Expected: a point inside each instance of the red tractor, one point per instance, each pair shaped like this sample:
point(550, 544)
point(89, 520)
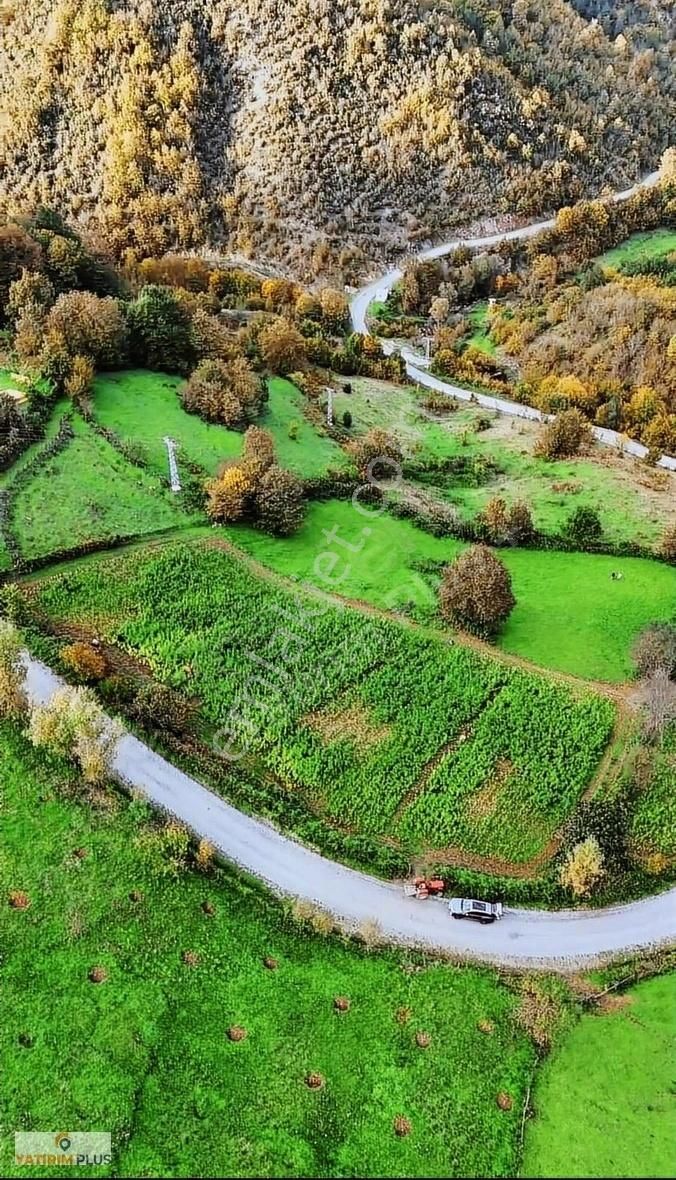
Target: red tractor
point(423, 887)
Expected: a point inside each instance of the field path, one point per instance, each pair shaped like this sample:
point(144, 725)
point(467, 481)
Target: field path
point(565, 940)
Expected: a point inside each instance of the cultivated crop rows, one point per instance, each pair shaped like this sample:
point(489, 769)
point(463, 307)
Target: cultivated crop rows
point(470, 752)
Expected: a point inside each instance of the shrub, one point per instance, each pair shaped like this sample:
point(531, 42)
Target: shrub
point(17, 430)
point(84, 661)
point(204, 857)
point(654, 649)
point(566, 435)
point(73, 725)
point(13, 700)
point(583, 868)
point(280, 506)
point(495, 520)
point(166, 848)
point(521, 530)
point(476, 591)
point(79, 382)
point(583, 526)
point(347, 419)
point(160, 707)
point(668, 548)
point(376, 455)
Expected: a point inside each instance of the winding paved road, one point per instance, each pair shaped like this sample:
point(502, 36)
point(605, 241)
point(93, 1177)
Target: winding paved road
point(561, 941)
point(416, 364)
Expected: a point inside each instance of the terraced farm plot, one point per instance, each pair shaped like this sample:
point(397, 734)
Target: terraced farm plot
point(571, 615)
point(178, 1095)
point(89, 491)
point(635, 503)
point(261, 660)
point(143, 407)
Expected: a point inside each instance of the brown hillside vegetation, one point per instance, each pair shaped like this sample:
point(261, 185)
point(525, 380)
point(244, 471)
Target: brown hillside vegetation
point(293, 127)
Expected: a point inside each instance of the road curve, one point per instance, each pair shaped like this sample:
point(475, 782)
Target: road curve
point(416, 364)
point(561, 941)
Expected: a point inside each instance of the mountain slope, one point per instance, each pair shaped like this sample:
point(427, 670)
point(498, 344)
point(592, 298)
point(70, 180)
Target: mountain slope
point(293, 126)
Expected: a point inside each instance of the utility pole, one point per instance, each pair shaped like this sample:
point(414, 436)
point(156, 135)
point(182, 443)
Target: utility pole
point(173, 465)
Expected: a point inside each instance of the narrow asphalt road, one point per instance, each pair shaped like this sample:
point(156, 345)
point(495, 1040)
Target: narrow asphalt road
point(416, 364)
point(561, 941)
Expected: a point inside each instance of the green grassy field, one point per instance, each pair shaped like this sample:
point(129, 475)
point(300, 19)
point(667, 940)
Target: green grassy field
point(570, 614)
point(481, 337)
point(642, 247)
point(142, 407)
point(634, 505)
point(356, 739)
point(89, 491)
point(604, 1101)
point(145, 1054)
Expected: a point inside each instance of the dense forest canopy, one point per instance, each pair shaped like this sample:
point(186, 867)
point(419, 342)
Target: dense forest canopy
point(307, 128)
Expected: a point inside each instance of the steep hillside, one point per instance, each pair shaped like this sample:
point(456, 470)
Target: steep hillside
point(291, 127)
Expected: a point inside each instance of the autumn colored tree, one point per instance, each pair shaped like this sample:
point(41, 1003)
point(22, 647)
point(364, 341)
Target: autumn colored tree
point(32, 290)
point(258, 451)
point(308, 306)
point(230, 495)
point(282, 346)
point(377, 455)
point(225, 392)
point(495, 519)
point(18, 252)
point(29, 334)
point(277, 293)
point(210, 337)
point(476, 591)
point(564, 436)
point(439, 309)
point(280, 506)
point(90, 326)
point(563, 392)
point(335, 309)
point(657, 698)
point(583, 868)
point(521, 529)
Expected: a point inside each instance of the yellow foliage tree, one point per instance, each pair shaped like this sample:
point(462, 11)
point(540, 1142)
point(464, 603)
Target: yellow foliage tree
point(227, 495)
point(583, 867)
